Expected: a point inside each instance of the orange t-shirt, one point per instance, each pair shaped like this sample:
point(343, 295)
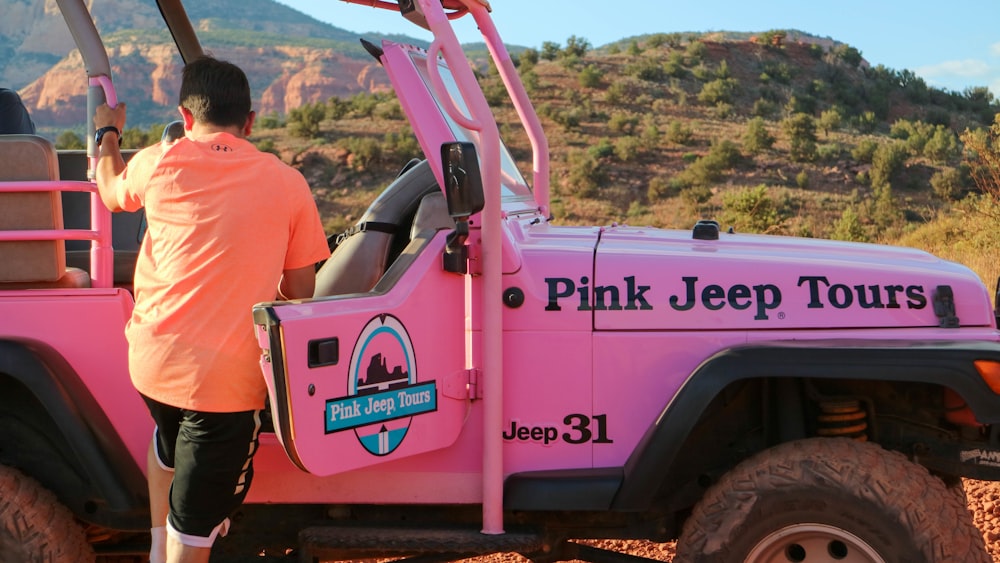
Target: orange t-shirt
point(224, 221)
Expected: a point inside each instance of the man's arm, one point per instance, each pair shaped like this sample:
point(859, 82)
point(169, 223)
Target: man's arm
point(110, 163)
point(298, 283)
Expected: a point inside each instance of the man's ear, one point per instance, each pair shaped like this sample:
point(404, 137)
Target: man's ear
point(248, 126)
point(187, 117)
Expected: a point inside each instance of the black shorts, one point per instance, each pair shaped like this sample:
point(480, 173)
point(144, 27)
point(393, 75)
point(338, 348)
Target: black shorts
point(211, 455)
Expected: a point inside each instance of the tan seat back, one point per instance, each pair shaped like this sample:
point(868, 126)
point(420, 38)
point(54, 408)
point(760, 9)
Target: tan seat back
point(32, 263)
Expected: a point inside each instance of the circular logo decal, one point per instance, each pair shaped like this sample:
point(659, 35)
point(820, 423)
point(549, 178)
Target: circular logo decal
point(382, 369)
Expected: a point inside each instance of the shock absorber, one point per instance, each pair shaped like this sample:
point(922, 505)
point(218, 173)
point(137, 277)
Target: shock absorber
point(843, 417)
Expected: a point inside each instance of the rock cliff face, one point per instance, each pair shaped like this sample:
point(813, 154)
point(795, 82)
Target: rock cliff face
point(282, 78)
point(50, 75)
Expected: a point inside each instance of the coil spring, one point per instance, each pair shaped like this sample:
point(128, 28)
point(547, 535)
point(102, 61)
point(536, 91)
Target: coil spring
point(843, 418)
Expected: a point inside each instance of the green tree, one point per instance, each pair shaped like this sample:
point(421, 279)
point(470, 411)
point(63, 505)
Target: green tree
point(576, 47)
point(750, 210)
point(983, 157)
point(718, 91)
point(550, 50)
point(829, 120)
point(590, 76)
point(950, 183)
point(68, 140)
point(586, 174)
point(848, 227)
point(757, 138)
point(801, 131)
point(304, 121)
point(134, 138)
point(942, 146)
point(270, 120)
point(887, 160)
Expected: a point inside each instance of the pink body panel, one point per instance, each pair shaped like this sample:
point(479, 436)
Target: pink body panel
point(87, 328)
point(665, 280)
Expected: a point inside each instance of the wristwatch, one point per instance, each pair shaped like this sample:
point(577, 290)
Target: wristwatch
point(99, 135)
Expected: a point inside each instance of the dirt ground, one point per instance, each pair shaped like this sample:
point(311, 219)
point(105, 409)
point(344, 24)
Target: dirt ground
point(983, 498)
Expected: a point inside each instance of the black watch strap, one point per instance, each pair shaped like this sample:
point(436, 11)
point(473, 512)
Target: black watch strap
point(99, 135)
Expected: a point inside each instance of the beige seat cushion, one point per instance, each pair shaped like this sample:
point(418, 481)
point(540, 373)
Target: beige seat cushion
point(30, 157)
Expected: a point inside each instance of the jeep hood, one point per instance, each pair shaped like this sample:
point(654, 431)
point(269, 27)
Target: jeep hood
point(646, 278)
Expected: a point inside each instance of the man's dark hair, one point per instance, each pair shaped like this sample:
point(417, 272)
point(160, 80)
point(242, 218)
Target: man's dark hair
point(215, 92)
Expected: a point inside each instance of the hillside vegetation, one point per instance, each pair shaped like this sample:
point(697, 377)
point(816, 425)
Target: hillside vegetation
point(776, 133)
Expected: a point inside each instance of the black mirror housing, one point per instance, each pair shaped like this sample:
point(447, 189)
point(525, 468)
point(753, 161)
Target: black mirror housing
point(463, 183)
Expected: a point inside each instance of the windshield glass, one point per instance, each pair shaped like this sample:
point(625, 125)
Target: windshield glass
point(515, 188)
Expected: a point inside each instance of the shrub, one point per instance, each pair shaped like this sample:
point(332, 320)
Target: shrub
point(848, 227)
point(337, 108)
point(550, 50)
point(801, 131)
point(803, 103)
point(829, 152)
point(267, 145)
point(802, 179)
point(270, 120)
point(576, 47)
point(304, 121)
point(627, 148)
point(750, 209)
point(646, 69)
point(709, 169)
point(674, 66)
point(764, 108)
point(623, 123)
point(950, 183)
point(695, 51)
point(983, 157)
point(864, 150)
point(658, 188)
point(866, 122)
point(68, 140)
point(529, 56)
point(757, 139)
point(695, 195)
point(829, 120)
point(887, 160)
point(603, 149)
point(849, 55)
point(679, 133)
point(363, 152)
point(942, 146)
point(363, 104)
point(590, 76)
point(586, 174)
point(718, 91)
point(403, 145)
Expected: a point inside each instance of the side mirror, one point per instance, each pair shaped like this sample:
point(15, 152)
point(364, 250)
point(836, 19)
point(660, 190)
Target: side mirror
point(463, 188)
point(463, 183)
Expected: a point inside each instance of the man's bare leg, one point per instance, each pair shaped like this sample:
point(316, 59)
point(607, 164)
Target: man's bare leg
point(159, 480)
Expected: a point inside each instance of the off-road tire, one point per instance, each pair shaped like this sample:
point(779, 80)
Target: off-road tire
point(829, 499)
point(34, 527)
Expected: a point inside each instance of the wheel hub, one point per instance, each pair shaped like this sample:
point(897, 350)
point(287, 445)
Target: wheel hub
point(812, 543)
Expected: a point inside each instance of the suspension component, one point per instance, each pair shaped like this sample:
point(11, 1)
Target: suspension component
point(843, 417)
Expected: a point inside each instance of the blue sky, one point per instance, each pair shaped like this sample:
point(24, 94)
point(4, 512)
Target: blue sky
point(951, 44)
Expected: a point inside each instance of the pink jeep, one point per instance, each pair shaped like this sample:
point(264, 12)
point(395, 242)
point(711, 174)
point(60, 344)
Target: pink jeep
point(471, 378)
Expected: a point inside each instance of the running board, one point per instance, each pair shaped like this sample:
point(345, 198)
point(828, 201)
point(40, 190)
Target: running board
point(321, 543)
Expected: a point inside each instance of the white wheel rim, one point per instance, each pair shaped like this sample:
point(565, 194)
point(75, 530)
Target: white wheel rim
point(812, 543)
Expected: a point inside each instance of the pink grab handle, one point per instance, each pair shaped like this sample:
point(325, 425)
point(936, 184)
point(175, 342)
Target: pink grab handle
point(110, 95)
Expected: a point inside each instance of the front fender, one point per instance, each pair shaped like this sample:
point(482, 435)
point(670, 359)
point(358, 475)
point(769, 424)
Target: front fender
point(71, 446)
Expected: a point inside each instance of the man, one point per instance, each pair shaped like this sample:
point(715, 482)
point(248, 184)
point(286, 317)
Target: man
point(228, 226)
point(14, 118)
